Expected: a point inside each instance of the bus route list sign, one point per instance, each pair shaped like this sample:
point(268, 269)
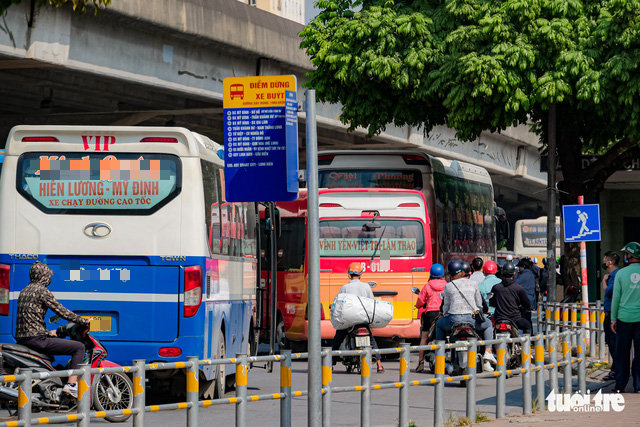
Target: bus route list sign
point(260, 138)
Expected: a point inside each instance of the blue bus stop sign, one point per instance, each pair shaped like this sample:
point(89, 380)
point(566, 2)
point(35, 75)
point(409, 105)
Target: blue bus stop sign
point(581, 223)
point(260, 138)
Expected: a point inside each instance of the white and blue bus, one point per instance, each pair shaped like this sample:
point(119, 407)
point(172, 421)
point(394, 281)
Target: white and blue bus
point(134, 223)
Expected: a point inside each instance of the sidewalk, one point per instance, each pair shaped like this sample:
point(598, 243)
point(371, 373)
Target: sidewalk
point(629, 416)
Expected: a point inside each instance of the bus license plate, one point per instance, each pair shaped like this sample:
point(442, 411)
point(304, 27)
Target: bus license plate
point(363, 341)
point(99, 323)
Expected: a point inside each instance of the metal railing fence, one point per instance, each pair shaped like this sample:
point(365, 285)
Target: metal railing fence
point(573, 336)
point(569, 316)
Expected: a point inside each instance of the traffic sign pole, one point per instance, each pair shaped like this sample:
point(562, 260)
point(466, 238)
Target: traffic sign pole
point(583, 265)
point(313, 233)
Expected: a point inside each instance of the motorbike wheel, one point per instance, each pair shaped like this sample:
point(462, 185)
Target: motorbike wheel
point(106, 398)
point(8, 408)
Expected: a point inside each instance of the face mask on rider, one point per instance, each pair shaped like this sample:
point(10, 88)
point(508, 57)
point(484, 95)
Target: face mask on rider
point(604, 265)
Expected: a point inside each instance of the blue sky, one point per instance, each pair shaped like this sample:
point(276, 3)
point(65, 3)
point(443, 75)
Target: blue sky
point(309, 11)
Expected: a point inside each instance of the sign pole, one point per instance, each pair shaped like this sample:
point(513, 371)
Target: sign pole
point(551, 199)
point(313, 236)
point(583, 266)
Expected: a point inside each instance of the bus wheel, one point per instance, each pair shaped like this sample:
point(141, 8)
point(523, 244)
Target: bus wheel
point(218, 391)
point(281, 339)
point(253, 342)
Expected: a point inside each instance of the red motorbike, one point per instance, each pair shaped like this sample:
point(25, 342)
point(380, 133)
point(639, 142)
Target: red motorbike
point(108, 391)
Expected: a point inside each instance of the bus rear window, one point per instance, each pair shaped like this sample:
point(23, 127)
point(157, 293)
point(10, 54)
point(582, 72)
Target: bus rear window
point(359, 178)
point(535, 235)
point(81, 183)
point(349, 238)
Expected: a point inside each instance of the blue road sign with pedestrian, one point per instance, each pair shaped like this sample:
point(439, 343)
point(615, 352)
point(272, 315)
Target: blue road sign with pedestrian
point(581, 223)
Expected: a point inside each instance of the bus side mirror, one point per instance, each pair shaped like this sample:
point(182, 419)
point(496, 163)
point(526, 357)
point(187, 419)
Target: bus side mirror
point(277, 224)
point(415, 290)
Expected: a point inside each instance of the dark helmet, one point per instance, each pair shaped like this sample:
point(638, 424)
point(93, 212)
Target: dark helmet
point(508, 270)
point(454, 267)
point(545, 262)
point(437, 270)
point(525, 262)
point(466, 268)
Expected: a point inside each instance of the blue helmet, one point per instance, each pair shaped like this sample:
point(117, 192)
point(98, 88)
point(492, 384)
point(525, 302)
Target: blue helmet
point(437, 270)
point(454, 267)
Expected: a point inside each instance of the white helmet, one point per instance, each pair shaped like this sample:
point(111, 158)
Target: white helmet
point(535, 260)
point(509, 258)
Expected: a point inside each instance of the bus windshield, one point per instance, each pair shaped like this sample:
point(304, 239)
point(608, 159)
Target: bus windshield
point(350, 238)
point(84, 183)
point(370, 178)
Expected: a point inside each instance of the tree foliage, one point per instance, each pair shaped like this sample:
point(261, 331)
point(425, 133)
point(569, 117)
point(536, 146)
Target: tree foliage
point(478, 65)
point(79, 6)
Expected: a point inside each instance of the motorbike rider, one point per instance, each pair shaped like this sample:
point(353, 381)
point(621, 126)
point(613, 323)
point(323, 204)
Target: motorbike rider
point(477, 265)
point(527, 280)
point(461, 299)
point(361, 289)
point(31, 331)
point(510, 300)
point(489, 269)
point(544, 277)
point(428, 303)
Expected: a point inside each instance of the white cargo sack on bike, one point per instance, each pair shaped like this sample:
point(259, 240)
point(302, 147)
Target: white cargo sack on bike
point(348, 310)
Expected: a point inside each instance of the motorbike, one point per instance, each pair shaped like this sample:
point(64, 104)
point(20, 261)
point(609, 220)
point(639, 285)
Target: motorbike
point(358, 337)
point(572, 294)
point(456, 359)
point(108, 391)
point(513, 354)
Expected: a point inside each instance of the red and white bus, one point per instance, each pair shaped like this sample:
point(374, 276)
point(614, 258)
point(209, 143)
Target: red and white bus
point(459, 195)
point(387, 230)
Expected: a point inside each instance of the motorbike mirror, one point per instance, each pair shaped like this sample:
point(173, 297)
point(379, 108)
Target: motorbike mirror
point(54, 319)
point(415, 290)
point(373, 284)
point(490, 295)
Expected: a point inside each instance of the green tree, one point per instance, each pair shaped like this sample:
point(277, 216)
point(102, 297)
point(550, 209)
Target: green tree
point(79, 6)
point(485, 65)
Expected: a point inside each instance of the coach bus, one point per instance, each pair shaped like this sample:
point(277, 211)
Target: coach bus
point(530, 238)
point(459, 195)
point(135, 226)
point(387, 230)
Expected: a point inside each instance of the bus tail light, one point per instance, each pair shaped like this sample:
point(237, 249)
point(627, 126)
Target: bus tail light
point(330, 205)
point(409, 205)
point(170, 352)
point(4, 290)
point(192, 290)
point(415, 159)
point(306, 312)
point(40, 139)
point(159, 139)
point(325, 159)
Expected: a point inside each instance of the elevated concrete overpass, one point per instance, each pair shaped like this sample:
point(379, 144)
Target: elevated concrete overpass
point(162, 63)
